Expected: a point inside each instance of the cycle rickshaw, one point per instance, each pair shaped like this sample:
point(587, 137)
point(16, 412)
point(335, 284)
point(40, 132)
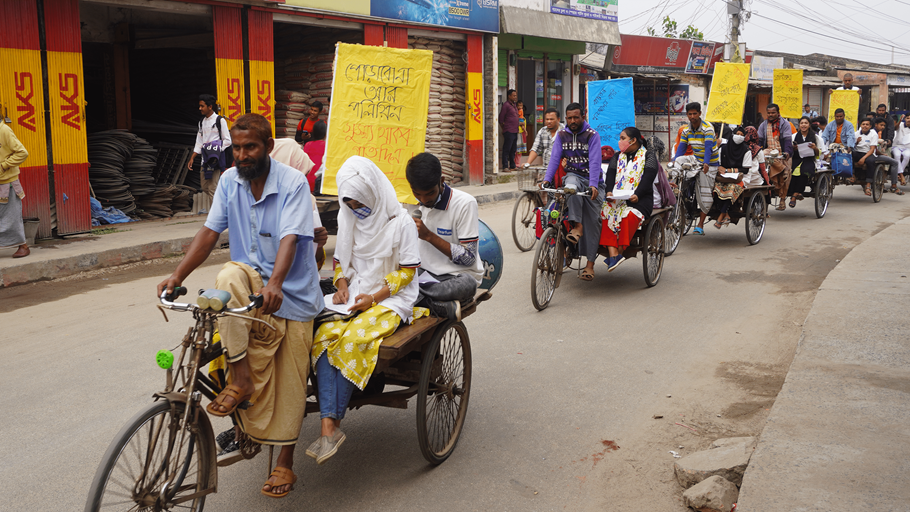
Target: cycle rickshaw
point(846, 174)
point(164, 458)
point(555, 253)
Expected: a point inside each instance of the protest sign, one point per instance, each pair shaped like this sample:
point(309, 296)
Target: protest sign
point(847, 100)
point(611, 108)
point(728, 93)
point(380, 100)
point(787, 92)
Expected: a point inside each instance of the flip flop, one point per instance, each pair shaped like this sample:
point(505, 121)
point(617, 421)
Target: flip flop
point(698, 231)
point(718, 224)
point(867, 190)
point(283, 476)
point(897, 191)
point(573, 236)
point(230, 391)
point(586, 275)
point(793, 203)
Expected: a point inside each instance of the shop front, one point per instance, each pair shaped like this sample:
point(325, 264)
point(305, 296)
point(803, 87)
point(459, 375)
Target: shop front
point(898, 94)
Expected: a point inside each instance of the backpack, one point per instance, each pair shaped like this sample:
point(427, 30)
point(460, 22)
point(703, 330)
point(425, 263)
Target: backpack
point(213, 153)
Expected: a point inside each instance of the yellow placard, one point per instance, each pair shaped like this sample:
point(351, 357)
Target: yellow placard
point(474, 107)
point(847, 100)
point(262, 93)
point(22, 100)
point(788, 92)
point(380, 100)
point(230, 80)
point(66, 92)
point(728, 93)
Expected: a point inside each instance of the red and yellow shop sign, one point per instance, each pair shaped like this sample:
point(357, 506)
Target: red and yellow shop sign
point(262, 93)
point(67, 106)
point(229, 74)
point(474, 106)
point(22, 99)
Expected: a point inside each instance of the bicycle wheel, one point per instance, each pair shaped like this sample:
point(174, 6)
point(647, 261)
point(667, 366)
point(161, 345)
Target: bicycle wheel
point(822, 195)
point(154, 466)
point(755, 218)
point(524, 222)
point(443, 392)
point(676, 224)
point(652, 250)
point(547, 266)
point(878, 183)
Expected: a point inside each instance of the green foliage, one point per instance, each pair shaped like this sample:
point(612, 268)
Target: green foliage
point(670, 29)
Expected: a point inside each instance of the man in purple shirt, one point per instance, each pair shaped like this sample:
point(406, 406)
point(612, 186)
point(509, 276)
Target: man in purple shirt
point(579, 144)
point(508, 123)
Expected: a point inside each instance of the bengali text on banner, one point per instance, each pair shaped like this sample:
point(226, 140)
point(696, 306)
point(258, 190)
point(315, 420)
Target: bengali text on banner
point(728, 93)
point(788, 92)
point(380, 100)
point(611, 108)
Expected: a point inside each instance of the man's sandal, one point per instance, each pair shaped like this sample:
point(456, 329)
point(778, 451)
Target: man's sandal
point(283, 476)
point(586, 275)
point(897, 191)
point(574, 236)
point(230, 391)
point(867, 190)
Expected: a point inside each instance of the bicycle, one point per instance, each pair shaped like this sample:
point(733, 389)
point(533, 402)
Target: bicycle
point(164, 457)
point(524, 213)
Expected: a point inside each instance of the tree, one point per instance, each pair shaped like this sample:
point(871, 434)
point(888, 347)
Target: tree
point(670, 30)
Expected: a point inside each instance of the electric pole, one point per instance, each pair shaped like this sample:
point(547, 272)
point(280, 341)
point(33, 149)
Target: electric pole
point(735, 9)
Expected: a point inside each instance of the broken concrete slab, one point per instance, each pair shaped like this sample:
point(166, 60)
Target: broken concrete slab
point(728, 462)
point(729, 441)
point(714, 494)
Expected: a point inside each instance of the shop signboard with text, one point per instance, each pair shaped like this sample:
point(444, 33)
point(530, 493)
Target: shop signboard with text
point(606, 10)
point(481, 15)
point(653, 98)
point(655, 55)
point(700, 56)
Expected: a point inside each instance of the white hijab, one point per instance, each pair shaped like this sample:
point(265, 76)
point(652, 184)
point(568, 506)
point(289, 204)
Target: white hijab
point(372, 243)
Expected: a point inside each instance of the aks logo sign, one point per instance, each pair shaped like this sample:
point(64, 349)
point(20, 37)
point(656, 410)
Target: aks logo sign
point(476, 109)
point(234, 111)
point(69, 83)
point(25, 93)
point(264, 96)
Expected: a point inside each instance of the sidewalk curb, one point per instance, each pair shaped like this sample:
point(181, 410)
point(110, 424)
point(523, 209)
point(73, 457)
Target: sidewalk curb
point(498, 197)
point(62, 267)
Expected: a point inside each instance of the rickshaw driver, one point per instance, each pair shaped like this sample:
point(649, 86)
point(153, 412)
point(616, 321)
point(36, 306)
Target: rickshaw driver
point(449, 233)
point(699, 135)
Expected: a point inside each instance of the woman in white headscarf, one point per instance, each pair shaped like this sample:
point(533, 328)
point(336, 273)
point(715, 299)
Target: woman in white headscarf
point(376, 259)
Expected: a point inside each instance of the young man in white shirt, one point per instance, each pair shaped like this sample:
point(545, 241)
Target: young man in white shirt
point(864, 152)
point(449, 231)
point(212, 138)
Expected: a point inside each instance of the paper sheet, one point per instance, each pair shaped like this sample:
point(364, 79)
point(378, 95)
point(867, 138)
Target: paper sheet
point(339, 308)
point(730, 175)
point(622, 194)
point(805, 150)
point(426, 278)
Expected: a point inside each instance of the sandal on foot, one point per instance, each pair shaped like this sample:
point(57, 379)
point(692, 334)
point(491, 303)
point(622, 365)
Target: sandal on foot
point(283, 476)
point(793, 203)
point(726, 222)
point(718, 224)
point(781, 206)
point(573, 236)
point(586, 275)
point(897, 191)
point(867, 190)
point(231, 391)
point(698, 231)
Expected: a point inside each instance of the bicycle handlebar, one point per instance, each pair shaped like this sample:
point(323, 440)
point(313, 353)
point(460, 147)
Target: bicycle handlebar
point(564, 191)
point(167, 300)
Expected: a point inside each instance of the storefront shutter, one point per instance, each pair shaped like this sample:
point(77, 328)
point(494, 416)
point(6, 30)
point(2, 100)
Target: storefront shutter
point(503, 68)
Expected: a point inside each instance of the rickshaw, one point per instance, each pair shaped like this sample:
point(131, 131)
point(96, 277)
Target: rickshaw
point(846, 174)
point(164, 457)
point(752, 204)
point(555, 253)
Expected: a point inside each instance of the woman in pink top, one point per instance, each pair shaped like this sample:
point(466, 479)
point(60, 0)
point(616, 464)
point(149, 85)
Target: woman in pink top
point(315, 149)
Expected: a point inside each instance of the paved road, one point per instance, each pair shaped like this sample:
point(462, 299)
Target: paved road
point(700, 356)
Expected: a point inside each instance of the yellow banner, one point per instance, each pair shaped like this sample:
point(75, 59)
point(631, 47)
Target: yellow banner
point(847, 100)
point(378, 111)
point(474, 107)
point(262, 95)
point(22, 100)
point(788, 92)
point(229, 75)
point(66, 92)
point(728, 93)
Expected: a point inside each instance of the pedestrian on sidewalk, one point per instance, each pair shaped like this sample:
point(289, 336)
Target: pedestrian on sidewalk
point(12, 154)
point(508, 123)
point(213, 142)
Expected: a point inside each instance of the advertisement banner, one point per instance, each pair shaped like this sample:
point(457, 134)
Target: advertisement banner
point(847, 100)
point(653, 99)
point(611, 108)
point(378, 111)
point(700, 56)
point(229, 79)
point(474, 107)
point(262, 85)
point(728, 93)
point(480, 15)
point(763, 67)
point(787, 92)
point(605, 10)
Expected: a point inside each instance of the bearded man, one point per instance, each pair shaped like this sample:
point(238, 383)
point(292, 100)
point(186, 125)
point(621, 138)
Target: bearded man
point(266, 207)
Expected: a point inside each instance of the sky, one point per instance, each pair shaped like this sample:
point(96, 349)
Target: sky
point(862, 30)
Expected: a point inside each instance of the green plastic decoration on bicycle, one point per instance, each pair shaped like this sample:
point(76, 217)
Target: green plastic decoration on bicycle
point(165, 359)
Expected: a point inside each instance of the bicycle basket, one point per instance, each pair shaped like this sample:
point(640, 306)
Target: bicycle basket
point(527, 179)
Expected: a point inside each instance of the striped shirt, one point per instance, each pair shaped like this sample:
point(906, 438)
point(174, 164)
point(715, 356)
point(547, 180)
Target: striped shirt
point(698, 140)
point(543, 143)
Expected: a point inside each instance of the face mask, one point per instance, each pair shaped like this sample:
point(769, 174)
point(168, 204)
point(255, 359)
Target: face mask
point(362, 212)
point(738, 139)
point(624, 145)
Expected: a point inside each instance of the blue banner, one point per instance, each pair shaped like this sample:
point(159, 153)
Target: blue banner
point(611, 108)
point(480, 15)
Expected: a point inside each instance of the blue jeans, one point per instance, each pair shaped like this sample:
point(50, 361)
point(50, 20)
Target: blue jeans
point(334, 390)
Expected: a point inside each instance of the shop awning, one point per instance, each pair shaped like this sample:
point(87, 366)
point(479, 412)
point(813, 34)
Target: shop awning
point(529, 22)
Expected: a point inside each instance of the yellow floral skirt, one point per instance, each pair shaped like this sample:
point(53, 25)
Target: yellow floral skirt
point(352, 345)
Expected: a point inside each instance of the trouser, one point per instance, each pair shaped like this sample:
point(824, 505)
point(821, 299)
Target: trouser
point(894, 167)
point(869, 168)
point(334, 390)
point(460, 287)
point(587, 212)
point(209, 185)
point(509, 147)
point(902, 154)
